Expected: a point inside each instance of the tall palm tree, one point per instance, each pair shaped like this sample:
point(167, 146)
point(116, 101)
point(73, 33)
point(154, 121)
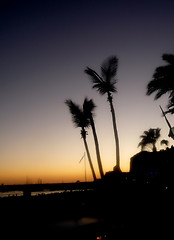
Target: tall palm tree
point(79, 119)
point(163, 79)
point(88, 108)
point(150, 137)
point(105, 84)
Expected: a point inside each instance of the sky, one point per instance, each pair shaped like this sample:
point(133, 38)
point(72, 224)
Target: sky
point(44, 48)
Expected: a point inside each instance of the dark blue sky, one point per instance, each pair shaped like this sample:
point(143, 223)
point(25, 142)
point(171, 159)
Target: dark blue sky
point(45, 47)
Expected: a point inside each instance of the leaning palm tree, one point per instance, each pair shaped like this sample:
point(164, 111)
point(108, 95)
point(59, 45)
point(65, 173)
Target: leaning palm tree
point(163, 80)
point(79, 119)
point(150, 137)
point(88, 108)
point(105, 84)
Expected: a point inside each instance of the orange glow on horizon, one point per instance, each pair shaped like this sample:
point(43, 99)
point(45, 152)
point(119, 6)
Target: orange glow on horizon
point(50, 162)
point(51, 174)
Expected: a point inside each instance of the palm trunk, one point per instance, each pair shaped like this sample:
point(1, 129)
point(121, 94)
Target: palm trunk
point(83, 133)
point(117, 167)
point(97, 147)
point(154, 147)
point(170, 127)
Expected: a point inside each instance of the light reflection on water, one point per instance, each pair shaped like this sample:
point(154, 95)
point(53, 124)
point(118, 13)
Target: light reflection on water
point(11, 193)
point(45, 192)
point(72, 223)
point(37, 193)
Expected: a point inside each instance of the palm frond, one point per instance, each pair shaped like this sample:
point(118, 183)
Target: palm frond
point(106, 83)
point(158, 86)
point(88, 106)
point(163, 78)
point(109, 67)
point(100, 87)
point(170, 105)
point(105, 87)
point(78, 117)
point(73, 108)
point(95, 78)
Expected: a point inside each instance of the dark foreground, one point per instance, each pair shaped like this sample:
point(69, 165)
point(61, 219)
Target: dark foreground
point(110, 211)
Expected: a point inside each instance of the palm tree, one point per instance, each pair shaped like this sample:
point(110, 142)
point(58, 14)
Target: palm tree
point(163, 79)
point(150, 137)
point(79, 119)
point(88, 108)
point(105, 84)
point(165, 142)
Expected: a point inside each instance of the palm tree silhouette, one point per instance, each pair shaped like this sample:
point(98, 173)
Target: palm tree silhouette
point(105, 84)
point(80, 120)
point(150, 137)
point(163, 79)
point(88, 108)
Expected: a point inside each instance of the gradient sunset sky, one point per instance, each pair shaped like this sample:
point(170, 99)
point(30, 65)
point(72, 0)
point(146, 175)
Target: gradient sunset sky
point(45, 46)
